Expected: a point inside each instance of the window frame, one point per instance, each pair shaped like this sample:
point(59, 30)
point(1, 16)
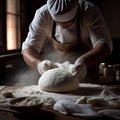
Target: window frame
point(23, 26)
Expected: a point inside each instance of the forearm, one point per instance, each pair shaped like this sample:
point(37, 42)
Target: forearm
point(95, 56)
point(31, 57)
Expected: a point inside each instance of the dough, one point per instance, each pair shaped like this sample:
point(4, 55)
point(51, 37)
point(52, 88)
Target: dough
point(59, 80)
point(108, 95)
point(82, 100)
point(97, 101)
point(32, 101)
point(26, 101)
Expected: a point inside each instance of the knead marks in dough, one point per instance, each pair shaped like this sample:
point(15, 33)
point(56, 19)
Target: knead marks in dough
point(58, 80)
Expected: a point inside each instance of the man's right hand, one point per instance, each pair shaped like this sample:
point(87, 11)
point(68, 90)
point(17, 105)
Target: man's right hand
point(45, 65)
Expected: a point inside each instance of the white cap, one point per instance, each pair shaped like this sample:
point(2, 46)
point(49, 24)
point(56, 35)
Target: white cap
point(62, 10)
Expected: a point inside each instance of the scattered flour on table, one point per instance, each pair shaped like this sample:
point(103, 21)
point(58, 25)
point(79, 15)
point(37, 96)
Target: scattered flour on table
point(34, 91)
point(32, 101)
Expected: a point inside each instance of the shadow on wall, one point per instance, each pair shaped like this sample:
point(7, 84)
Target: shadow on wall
point(18, 73)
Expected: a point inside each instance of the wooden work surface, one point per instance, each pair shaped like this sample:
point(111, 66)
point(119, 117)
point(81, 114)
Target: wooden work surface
point(49, 113)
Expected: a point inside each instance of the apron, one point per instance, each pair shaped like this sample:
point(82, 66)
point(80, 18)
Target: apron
point(70, 52)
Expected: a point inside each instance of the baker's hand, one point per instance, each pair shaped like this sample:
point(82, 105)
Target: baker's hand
point(45, 65)
point(79, 69)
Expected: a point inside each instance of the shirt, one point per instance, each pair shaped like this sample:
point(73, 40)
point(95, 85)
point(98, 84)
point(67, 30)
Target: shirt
point(93, 30)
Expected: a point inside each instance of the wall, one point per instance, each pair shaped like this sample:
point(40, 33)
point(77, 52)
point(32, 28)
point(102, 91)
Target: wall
point(32, 7)
point(111, 12)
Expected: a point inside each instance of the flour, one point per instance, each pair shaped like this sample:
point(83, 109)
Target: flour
point(81, 95)
point(32, 101)
point(26, 101)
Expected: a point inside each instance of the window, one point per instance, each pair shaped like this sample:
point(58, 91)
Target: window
point(12, 25)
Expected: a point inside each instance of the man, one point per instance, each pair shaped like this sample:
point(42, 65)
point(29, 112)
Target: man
point(76, 32)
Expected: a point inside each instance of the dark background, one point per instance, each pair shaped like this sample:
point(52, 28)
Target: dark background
point(14, 71)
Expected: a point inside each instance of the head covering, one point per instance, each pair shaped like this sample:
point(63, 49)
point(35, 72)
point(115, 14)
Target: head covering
point(62, 10)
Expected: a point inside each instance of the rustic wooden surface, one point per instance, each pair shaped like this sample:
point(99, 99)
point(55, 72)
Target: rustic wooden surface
point(47, 114)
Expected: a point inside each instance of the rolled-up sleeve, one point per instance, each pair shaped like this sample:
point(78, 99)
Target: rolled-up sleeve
point(98, 30)
point(36, 35)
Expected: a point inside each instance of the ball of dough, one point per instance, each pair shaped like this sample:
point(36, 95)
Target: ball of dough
point(97, 101)
point(58, 80)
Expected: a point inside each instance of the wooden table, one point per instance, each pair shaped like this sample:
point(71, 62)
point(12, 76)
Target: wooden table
point(45, 114)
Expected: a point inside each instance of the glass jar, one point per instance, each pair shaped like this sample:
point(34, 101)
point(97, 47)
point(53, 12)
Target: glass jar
point(117, 76)
point(108, 71)
point(101, 68)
